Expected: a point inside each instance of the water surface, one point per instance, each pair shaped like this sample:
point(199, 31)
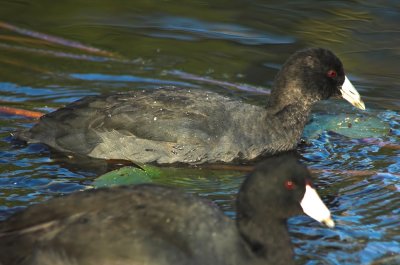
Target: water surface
point(52, 53)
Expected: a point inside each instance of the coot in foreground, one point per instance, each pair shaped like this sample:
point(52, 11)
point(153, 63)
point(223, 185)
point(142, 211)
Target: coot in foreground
point(151, 224)
point(172, 125)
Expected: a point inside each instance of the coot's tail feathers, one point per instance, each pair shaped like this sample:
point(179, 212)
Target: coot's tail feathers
point(22, 136)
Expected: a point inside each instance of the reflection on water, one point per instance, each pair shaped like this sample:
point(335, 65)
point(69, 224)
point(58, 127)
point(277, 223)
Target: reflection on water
point(52, 53)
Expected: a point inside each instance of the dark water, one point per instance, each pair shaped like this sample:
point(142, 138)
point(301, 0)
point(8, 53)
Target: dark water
point(47, 59)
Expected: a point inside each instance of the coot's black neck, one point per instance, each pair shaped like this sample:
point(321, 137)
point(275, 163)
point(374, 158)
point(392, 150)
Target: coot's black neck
point(294, 114)
point(289, 120)
point(267, 238)
point(289, 101)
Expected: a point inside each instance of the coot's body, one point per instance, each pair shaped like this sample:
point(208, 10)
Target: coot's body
point(167, 126)
point(172, 125)
point(155, 225)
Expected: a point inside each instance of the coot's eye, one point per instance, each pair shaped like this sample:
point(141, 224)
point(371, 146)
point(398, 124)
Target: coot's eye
point(289, 185)
point(331, 74)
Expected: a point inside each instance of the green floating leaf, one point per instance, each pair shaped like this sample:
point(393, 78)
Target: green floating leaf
point(179, 177)
point(350, 125)
point(127, 176)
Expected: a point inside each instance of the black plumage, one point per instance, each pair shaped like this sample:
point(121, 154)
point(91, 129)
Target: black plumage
point(151, 224)
point(172, 125)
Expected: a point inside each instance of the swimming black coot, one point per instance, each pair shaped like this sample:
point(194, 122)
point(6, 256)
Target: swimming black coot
point(172, 125)
point(151, 224)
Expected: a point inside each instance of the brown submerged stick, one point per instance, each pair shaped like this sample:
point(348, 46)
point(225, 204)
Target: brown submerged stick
point(57, 40)
point(85, 57)
point(23, 39)
point(242, 168)
point(21, 112)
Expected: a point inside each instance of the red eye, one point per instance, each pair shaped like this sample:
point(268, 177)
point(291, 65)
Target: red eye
point(331, 74)
point(289, 185)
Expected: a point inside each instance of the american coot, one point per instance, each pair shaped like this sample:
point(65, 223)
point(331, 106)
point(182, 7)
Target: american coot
point(171, 125)
point(151, 224)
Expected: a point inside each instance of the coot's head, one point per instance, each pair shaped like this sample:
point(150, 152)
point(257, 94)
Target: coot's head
point(281, 187)
point(311, 75)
